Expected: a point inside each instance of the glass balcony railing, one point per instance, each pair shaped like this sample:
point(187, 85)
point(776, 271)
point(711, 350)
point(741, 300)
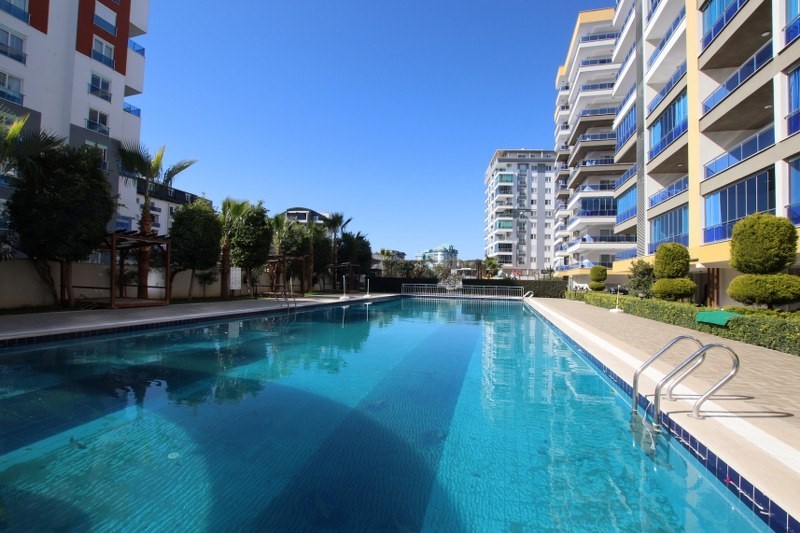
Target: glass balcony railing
point(105, 25)
point(670, 32)
point(608, 136)
point(14, 11)
point(747, 148)
point(602, 239)
point(96, 126)
point(631, 172)
point(794, 213)
point(562, 227)
point(597, 86)
point(652, 9)
point(11, 96)
point(625, 254)
point(104, 59)
point(722, 232)
point(679, 72)
point(13, 53)
point(599, 37)
point(673, 189)
point(592, 62)
point(721, 22)
point(627, 59)
point(583, 264)
point(132, 109)
point(100, 93)
point(750, 67)
point(136, 47)
point(595, 162)
point(628, 214)
point(668, 139)
point(792, 30)
point(598, 111)
point(683, 239)
point(793, 122)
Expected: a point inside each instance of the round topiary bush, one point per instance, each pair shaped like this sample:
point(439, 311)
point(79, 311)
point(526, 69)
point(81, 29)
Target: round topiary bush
point(769, 290)
point(597, 285)
point(763, 244)
point(673, 288)
point(598, 273)
point(672, 261)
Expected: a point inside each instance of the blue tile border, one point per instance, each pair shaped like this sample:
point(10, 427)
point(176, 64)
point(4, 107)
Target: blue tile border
point(768, 511)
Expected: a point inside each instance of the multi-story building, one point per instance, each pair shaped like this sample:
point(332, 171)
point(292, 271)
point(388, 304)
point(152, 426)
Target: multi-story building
point(439, 255)
point(72, 66)
point(520, 193)
point(708, 100)
point(305, 215)
point(586, 103)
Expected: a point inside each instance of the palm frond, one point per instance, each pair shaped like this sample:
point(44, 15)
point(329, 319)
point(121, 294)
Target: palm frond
point(135, 158)
point(15, 129)
point(176, 169)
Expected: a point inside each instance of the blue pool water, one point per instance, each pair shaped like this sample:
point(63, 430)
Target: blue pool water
point(398, 416)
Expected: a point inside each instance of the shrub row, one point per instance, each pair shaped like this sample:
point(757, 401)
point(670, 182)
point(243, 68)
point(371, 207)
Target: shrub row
point(395, 284)
point(541, 288)
point(775, 332)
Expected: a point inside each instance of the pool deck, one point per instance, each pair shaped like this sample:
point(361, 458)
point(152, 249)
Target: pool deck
point(753, 424)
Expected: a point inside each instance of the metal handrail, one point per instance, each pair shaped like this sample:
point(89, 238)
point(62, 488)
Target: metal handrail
point(697, 358)
point(670, 344)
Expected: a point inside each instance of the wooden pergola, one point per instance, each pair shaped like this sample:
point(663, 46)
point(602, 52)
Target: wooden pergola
point(347, 267)
point(120, 244)
point(283, 261)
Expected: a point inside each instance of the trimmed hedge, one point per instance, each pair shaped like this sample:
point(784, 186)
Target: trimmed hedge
point(395, 284)
point(671, 261)
point(541, 288)
point(763, 244)
point(765, 289)
point(673, 288)
point(578, 296)
point(598, 273)
point(773, 332)
point(597, 286)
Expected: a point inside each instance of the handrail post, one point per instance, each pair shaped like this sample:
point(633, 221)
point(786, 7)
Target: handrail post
point(729, 376)
point(657, 394)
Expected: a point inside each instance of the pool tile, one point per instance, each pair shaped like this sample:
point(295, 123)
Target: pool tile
point(794, 525)
point(779, 520)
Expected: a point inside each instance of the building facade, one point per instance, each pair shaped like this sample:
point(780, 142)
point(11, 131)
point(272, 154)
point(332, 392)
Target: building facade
point(439, 255)
point(305, 215)
point(74, 68)
point(707, 99)
point(519, 207)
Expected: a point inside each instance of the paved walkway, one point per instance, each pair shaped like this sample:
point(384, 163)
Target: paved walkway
point(753, 423)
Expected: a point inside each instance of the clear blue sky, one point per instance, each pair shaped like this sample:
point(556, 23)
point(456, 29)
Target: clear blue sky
point(386, 110)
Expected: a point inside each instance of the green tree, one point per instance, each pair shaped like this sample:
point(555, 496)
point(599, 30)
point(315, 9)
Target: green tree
point(231, 217)
point(250, 243)
point(491, 266)
point(671, 270)
point(317, 241)
point(355, 248)
point(196, 234)
point(598, 275)
point(642, 278)
point(336, 223)
point(59, 211)
point(136, 160)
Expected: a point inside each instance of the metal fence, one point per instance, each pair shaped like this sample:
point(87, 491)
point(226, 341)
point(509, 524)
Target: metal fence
point(465, 291)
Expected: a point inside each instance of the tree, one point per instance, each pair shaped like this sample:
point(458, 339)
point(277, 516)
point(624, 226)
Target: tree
point(250, 243)
point(762, 246)
point(59, 211)
point(230, 217)
point(137, 160)
point(491, 266)
point(642, 278)
point(335, 224)
point(356, 249)
point(317, 242)
point(598, 275)
point(196, 234)
point(671, 270)
point(21, 149)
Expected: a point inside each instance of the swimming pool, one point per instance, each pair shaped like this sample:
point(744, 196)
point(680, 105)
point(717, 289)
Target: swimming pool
point(404, 415)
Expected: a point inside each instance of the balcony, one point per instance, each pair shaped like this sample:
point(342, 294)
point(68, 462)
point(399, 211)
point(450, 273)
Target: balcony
point(132, 109)
point(96, 126)
point(794, 213)
point(625, 254)
point(104, 59)
point(750, 67)
point(792, 30)
point(628, 214)
point(14, 11)
point(593, 62)
point(683, 239)
point(747, 148)
point(136, 47)
point(599, 37)
point(630, 173)
point(11, 96)
point(104, 25)
point(603, 239)
point(670, 32)
point(597, 87)
point(673, 189)
point(721, 22)
point(668, 139)
point(583, 264)
point(13, 53)
point(793, 122)
point(100, 93)
point(652, 9)
point(722, 232)
point(658, 98)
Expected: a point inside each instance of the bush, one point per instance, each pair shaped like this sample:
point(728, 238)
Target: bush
point(673, 288)
point(672, 261)
point(763, 244)
point(765, 289)
point(597, 285)
point(642, 278)
point(578, 296)
point(598, 273)
point(760, 311)
point(541, 288)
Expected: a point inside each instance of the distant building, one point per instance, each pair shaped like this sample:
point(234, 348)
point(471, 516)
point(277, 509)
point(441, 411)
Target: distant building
point(306, 215)
point(445, 252)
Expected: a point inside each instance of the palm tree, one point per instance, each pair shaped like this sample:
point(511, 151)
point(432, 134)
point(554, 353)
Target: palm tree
point(18, 149)
point(336, 223)
point(136, 159)
point(230, 216)
point(313, 231)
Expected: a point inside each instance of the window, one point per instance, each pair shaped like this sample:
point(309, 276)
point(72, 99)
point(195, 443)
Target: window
point(727, 206)
point(627, 205)
point(792, 19)
point(672, 226)
point(668, 126)
point(103, 52)
point(16, 8)
point(794, 101)
point(97, 121)
point(794, 191)
point(103, 153)
point(100, 87)
point(11, 45)
point(10, 88)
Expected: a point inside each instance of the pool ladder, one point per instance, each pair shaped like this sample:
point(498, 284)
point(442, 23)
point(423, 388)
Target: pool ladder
point(678, 374)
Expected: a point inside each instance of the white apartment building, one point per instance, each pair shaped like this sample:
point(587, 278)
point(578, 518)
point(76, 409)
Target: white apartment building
point(520, 196)
point(439, 255)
